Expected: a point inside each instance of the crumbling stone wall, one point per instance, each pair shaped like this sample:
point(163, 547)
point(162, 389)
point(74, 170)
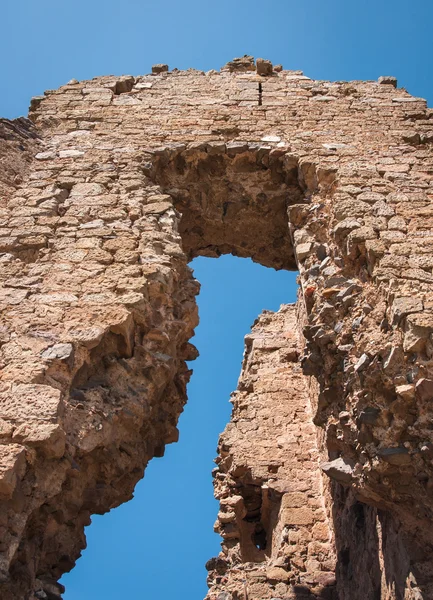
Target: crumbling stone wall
point(132, 178)
point(277, 539)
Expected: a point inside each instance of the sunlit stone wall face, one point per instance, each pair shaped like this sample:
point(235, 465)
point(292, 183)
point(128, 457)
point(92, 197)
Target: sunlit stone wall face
point(277, 537)
point(330, 495)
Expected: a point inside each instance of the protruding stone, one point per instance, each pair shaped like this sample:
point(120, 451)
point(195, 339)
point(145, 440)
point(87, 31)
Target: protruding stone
point(48, 155)
point(418, 328)
point(303, 250)
point(70, 153)
point(263, 66)
point(393, 359)
point(58, 351)
point(388, 80)
point(362, 363)
point(124, 84)
point(412, 137)
point(47, 438)
point(234, 148)
point(240, 65)
point(340, 469)
point(159, 68)
point(271, 138)
point(424, 389)
point(217, 564)
point(35, 102)
point(346, 226)
point(405, 305)
point(406, 391)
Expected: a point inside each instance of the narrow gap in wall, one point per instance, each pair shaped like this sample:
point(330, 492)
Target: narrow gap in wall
point(156, 546)
point(260, 94)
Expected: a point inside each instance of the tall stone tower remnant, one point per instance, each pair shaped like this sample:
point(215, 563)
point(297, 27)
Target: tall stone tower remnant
point(325, 472)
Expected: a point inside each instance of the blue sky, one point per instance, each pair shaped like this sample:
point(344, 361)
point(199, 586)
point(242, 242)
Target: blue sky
point(46, 43)
point(155, 546)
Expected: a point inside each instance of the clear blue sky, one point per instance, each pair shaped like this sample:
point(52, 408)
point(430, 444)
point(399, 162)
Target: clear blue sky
point(155, 546)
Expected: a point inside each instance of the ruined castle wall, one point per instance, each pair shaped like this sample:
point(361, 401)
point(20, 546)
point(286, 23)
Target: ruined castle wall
point(136, 176)
point(277, 540)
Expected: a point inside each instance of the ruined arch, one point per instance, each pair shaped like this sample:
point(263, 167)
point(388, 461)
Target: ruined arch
point(98, 306)
point(233, 199)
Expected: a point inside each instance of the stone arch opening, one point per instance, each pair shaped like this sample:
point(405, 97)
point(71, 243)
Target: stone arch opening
point(229, 199)
point(233, 199)
point(218, 190)
point(237, 198)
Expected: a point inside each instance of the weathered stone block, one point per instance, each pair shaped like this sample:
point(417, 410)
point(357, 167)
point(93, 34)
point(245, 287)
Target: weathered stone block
point(424, 389)
point(405, 306)
point(293, 500)
point(12, 466)
point(24, 403)
point(418, 328)
point(340, 469)
point(297, 516)
point(159, 68)
point(264, 67)
point(388, 80)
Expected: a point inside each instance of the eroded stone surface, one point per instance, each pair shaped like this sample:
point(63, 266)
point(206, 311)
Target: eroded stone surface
point(130, 178)
point(19, 143)
point(273, 520)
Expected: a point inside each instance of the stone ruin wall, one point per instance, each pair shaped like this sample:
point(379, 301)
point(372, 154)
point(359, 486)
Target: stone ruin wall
point(324, 474)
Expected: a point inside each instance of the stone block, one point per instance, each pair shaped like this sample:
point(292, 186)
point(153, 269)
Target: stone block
point(294, 500)
point(297, 516)
point(48, 438)
point(30, 402)
point(12, 466)
point(240, 65)
point(263, 66)
point(403, 306)
point(303, 250)
point(321, 531)
point(395, 456)
point(407, 391)
point(340, 469)
point(159, 68)
point(424, 389)
point(276, 574)
point(388, 80)
point(418, 327)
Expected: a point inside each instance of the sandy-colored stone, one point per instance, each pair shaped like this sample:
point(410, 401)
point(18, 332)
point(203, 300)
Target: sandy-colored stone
point(120, 182)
